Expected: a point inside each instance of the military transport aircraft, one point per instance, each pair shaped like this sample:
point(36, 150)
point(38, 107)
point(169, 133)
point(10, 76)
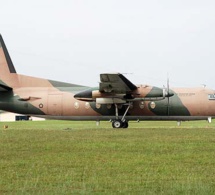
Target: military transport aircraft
point(116, 98)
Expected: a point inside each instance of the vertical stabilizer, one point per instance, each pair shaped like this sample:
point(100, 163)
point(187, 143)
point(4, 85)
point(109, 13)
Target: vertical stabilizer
point(6, 64)
point(8, 76)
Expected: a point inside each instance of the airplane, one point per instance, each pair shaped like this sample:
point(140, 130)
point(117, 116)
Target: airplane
point(116, 98)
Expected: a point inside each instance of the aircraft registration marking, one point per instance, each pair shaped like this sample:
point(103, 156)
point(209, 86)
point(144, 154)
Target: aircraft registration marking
point(186, 94)
point(211, 96)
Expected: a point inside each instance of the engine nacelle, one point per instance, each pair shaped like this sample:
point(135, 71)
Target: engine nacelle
point(142, 93)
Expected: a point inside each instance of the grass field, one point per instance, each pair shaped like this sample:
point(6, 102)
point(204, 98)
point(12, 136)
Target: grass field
point(61, 157)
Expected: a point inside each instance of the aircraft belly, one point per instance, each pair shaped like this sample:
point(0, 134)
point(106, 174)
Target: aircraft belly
point(132, 118)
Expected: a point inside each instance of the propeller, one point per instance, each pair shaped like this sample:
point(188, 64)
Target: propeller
point(168, 96)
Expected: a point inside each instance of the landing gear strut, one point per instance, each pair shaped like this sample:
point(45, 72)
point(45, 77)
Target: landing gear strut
point(120, 123)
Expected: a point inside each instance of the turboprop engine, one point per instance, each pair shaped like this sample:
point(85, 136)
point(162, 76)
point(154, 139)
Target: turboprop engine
point(142, 93)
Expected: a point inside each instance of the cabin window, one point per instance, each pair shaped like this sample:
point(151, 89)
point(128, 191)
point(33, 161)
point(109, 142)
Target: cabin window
point(98, 106)
point(76, 105)
point(119, 106)
point(108, 106)
point(142, 105)
point(152, 105)
point(87, 105)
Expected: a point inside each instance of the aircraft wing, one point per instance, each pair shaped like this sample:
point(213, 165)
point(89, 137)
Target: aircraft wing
point(113, 88)
point(115, 83)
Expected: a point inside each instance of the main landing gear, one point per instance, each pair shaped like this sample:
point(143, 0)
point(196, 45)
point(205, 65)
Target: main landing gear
point(120, 123)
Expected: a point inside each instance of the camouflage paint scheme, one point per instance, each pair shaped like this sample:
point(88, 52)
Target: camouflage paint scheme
point(57, 100)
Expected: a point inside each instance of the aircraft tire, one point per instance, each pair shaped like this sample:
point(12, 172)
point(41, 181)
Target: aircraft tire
point(125, 125)
point(117, 124)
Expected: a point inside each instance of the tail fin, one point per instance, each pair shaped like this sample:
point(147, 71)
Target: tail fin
point(6, 64)
point(7, 78)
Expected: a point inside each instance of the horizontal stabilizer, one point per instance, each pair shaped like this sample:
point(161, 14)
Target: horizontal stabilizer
point(4, 87)
point(29, 98)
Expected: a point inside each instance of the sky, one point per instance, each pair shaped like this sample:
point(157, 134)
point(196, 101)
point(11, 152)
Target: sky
point(148, 41)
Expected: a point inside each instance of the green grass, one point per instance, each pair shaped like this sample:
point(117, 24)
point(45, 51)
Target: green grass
point(62, 157)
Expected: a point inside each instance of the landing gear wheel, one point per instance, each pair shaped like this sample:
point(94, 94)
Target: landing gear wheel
point(125, 124)
point(117, 124)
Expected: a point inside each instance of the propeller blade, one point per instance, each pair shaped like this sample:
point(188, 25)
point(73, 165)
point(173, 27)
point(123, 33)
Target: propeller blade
point(168, 95)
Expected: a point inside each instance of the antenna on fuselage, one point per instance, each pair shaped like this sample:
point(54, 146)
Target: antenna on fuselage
point(204, 85)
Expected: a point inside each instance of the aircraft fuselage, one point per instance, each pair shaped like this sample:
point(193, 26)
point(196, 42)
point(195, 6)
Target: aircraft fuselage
point(116, 98)
point(59, 103)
